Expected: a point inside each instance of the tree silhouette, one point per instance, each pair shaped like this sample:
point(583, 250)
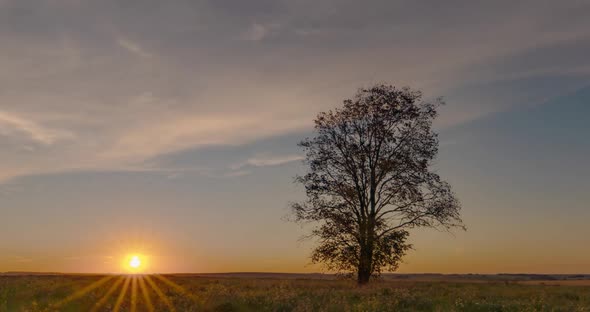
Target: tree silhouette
point(369, 180)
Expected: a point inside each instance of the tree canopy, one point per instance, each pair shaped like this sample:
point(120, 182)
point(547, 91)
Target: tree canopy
point(369, 180)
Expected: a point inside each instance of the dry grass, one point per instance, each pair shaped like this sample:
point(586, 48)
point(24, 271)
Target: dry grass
point(558, 282)
point(190, 293)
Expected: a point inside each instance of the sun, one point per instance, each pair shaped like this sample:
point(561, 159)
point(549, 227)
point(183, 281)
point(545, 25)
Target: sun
point(135, 262)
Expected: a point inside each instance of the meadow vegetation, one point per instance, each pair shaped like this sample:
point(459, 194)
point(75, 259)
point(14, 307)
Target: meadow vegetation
point(192, 293)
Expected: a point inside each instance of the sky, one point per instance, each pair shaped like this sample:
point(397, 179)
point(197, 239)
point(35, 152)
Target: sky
point(170, 128)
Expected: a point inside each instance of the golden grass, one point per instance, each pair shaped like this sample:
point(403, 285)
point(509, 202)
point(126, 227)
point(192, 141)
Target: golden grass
point(192, 293)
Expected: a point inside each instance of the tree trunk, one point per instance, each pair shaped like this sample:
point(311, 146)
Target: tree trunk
point(365, 266)
point(363, 276)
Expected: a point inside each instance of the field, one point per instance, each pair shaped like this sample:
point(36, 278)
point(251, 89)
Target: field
point(278, 292)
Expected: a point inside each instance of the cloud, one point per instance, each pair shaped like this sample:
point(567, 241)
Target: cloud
point(65, 76)
point(268, 160)
point(133, 47)
point(263, 161)
point(177, 133)
point(258, 32)
point(11, 125)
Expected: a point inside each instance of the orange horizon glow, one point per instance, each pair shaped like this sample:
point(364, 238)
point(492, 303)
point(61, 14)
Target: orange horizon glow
point(115, 252)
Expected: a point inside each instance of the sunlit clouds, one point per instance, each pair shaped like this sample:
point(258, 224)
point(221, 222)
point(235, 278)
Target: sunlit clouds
point(115, 89)
point(15, 127)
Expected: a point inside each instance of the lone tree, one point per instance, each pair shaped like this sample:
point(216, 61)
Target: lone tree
point(369, 180)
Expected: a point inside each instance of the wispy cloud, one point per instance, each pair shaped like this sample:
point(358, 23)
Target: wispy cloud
point(258, 32)
point(182, 132)
point(11, 124)
point(132, 47)
point(268, 160)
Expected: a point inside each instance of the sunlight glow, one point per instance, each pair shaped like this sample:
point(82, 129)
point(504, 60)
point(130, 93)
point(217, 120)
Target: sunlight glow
point(107, 295)
point(122, 294)
point(175, 286)
point(135, 262)
point(160, 293)
point(146, 296)
point(82, 292)
point(133, 294)
point(128, 297)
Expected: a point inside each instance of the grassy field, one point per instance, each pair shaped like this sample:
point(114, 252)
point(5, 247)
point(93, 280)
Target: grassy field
point(212, 293)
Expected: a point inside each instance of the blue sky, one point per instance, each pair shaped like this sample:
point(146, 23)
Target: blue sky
point(172, 127)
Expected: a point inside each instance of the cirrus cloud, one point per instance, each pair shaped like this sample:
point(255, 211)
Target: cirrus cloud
point(11, 124)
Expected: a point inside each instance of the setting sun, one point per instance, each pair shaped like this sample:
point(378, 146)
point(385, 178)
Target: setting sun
point(135, 262)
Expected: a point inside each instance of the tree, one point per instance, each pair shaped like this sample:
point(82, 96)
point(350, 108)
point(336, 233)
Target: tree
point(369, 180)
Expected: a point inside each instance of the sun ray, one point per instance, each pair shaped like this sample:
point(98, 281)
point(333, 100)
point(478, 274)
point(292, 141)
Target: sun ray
point(122, 294)
point(133, 293)
point(83, 291)
point(146, 295)
point(108, 294)
point(160, 294)
point(175, 286)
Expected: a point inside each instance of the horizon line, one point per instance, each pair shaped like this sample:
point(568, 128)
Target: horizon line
point(269, 273)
